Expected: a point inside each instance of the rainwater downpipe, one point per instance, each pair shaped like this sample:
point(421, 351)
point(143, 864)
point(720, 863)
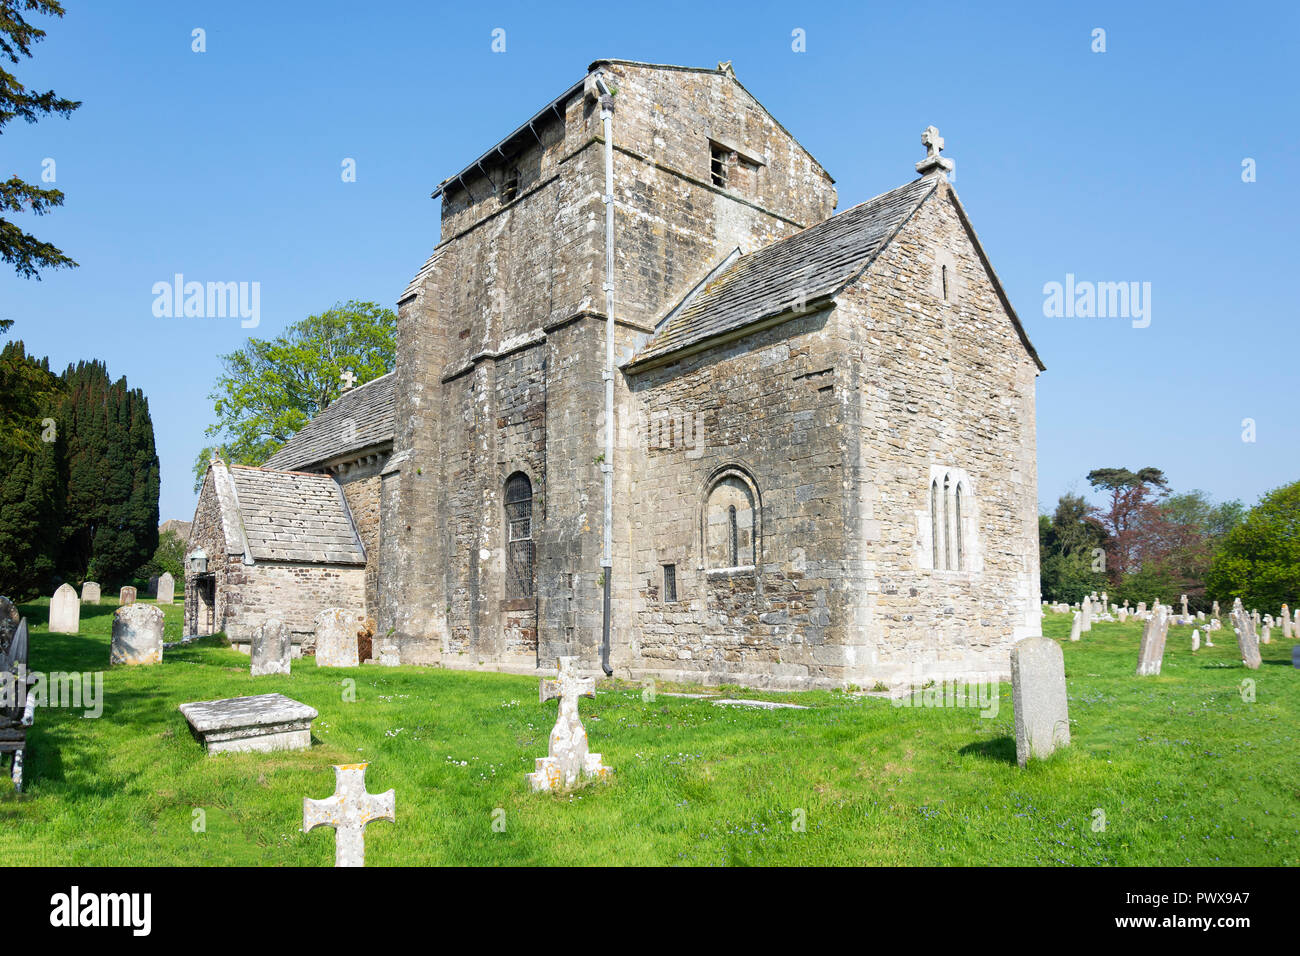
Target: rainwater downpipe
point(607, 461)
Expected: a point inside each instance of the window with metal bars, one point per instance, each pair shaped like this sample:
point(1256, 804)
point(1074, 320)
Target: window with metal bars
point(519, 536)
point(670, 583)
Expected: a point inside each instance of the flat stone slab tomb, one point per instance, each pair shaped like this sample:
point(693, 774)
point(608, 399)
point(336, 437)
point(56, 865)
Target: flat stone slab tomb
point(241, 724)
point(763, 704)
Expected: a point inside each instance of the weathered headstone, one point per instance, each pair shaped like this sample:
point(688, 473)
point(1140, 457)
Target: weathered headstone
point(1039, 697)
point(1076, 625)
point(1151, 651)
point(337, 631)
point(259, 724)
point(1186, 613)
point(1196, 640)
point(568, 759)
point(166, 592)
point(65, 611)
point(1266, 634)
point(348, 811)
point(1295, 657)
point(90, 592)
point(1246, 640)
point(137, 635)
point(1286, 622)
point(1123, 615)
point(1085, 622)
point(126, 596)
point(9, 618)
point(269, 650)
point(1214, 611)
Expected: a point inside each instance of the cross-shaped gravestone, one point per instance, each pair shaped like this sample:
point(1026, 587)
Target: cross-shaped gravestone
point(348, 811)
point(568, 759)
point(348, 379)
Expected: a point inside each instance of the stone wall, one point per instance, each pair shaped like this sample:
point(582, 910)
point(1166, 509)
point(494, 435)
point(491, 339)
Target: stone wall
point(293, 593)
point(206, 532)
point(362, 495)
point(502, 346)
point(939, 385)
point(753, 413)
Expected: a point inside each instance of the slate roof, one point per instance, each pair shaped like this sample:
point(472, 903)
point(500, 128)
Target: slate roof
point(370, 410)
point(294, 516)
point(817, 262)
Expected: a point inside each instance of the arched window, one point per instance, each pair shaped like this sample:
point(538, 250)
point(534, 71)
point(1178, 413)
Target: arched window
point(519, 536)
point(731, 522)
point(947, 527)
point(936, 533)
point(951, 509)
point(961, 556)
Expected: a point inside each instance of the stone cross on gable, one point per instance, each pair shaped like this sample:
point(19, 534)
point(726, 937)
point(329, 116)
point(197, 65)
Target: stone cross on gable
point(348, 811)
point(933, 164)
point(568, 757)
point(347, 378)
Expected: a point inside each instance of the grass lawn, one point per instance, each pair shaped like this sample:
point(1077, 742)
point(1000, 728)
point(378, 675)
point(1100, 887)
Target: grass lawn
point(1184, 769)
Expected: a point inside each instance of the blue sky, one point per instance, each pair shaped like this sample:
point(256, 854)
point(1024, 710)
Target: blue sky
point(1122, 166)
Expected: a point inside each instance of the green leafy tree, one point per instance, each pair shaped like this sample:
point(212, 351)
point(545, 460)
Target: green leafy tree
point(1259, 560)
point(31, 479)
point(1128, 514)
point(169, 557)
point(1068, 544)
point(270, 388)
point(22, 250)
point(111, 507)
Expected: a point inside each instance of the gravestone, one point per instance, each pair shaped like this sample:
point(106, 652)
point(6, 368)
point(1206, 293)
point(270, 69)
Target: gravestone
point(269, 650)
point(1266, 634)
point(1295, 657)
point(65, 611)
point(9, 618)
point(1286, 622)
point(137, 635)
point(337, 632)
point(90, 592)
point(348, 811)
point(1151, 651)
point(1214, 611)
point(1246, 641)
point(1039, 697)
point(1076, 625)
point(1186, 613)
point(153, 585)
point(568, 759)
point(126, 596)
point(1123, 615)
point(166, 592)
point(1085, 623)
point(1196, 640)
point(259, 724)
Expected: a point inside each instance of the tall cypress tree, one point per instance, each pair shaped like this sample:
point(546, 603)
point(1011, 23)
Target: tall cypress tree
point(31, 481)
point(110, 524)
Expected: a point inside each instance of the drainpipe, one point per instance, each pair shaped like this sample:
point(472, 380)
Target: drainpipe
point(607, 465)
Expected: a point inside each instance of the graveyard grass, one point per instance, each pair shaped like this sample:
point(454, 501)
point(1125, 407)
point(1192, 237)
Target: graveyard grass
point(1185, 770)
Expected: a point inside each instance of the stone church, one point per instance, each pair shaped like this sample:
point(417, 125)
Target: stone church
point(821, 465)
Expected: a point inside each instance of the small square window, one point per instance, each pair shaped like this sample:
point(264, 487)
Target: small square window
point(511, 187)
point(719, 158)
point(670, 583)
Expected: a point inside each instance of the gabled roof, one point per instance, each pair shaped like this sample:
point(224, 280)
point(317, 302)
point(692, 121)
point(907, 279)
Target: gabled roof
point(805, 268)
point(803, 271)
point(360, 418)
point(289, 516)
